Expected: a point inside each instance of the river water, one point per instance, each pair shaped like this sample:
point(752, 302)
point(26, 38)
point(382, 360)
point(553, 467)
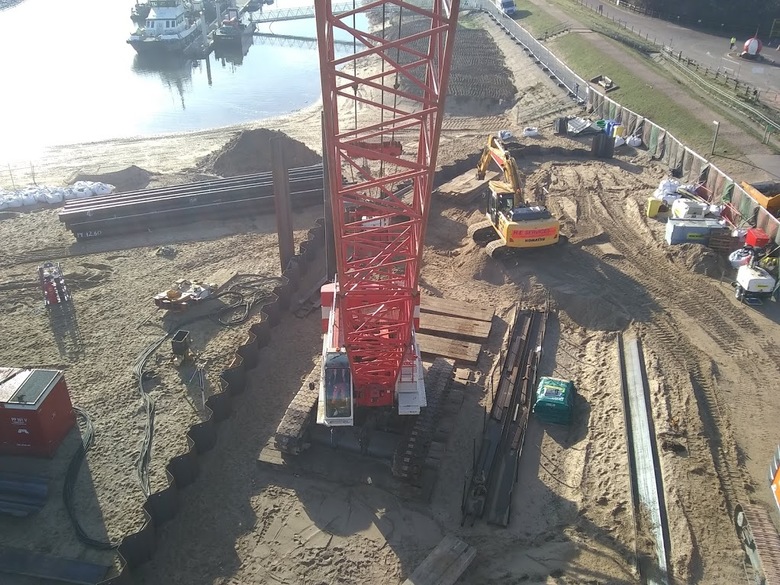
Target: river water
point(68, 76)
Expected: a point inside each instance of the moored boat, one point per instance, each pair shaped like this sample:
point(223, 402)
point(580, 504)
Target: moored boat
point(169, 28)
point(233, 30)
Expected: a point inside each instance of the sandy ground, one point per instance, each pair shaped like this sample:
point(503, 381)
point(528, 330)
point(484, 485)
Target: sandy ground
point(572, 520)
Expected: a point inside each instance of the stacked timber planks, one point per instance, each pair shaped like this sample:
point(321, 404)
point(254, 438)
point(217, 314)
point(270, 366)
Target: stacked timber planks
point(453, 329)
point(445, 564)
point(134, 211)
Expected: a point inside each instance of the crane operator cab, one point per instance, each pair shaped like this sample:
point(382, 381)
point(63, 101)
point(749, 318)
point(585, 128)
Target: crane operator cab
point(337, 390)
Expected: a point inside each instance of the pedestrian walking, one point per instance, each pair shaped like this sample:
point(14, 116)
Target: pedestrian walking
point(732, 43)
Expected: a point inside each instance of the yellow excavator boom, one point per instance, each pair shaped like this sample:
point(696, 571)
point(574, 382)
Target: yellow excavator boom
point(512, 177)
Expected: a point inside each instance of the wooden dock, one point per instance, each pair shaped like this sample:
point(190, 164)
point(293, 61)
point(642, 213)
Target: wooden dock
point(453, 329)
point(445, 564)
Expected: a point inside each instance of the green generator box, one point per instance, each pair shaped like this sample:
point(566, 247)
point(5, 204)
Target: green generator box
point(554, 401)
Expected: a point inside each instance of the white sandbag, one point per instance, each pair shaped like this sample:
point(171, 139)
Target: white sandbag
point(530, 131)
point(81, 193)
point(27, 200)
point(619, 142)
point(670, 198)
point(504, 135)
point(54, 197)
point(669, 185)
point(634, 141)
point(14, 202)
point(102, 189)
point(41, 195)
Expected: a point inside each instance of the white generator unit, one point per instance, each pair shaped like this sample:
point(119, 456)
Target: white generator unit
point(754, 284)
point(688, 209)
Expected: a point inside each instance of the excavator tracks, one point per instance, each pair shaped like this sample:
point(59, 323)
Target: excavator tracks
point(498, 250)
point(411, 452)
point(292, 434)
point(483, 232)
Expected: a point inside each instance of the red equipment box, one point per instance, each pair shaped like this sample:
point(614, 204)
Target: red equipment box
point(756, 237)
point(35, 411)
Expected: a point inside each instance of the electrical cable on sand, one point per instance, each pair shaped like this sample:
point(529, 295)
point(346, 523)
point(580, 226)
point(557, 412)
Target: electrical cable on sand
point(247, 292)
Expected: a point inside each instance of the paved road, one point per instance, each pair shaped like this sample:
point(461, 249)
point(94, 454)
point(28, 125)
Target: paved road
point(707, 49)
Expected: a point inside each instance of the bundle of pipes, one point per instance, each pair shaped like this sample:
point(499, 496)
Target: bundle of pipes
point(218, 199)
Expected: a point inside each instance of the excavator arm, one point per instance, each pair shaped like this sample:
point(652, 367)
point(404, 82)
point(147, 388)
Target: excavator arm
point(512, 177)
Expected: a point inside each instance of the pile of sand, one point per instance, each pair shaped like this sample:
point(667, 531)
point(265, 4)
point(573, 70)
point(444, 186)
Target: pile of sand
point(251, 151)
point(698, 259)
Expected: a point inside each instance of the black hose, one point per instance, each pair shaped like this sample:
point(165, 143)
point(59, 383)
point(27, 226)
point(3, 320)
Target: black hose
point(87, 440)
point(247, 292)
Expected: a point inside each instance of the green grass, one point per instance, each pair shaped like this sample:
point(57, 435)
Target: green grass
point(632, 92)
point(534, 19)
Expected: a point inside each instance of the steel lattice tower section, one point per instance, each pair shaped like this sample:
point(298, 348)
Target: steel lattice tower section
point(366, 115)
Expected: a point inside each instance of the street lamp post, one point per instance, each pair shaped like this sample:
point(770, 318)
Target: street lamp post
point(715, 138)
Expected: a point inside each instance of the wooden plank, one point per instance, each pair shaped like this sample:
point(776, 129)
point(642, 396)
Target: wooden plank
point(455, 326)
point(221, 277)
point(455, 308)
point(445, 564)
point(463, 351)
point(456, 569)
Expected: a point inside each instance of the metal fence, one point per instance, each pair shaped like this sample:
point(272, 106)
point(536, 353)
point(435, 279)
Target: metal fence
point(714, 184)
point(17, 176)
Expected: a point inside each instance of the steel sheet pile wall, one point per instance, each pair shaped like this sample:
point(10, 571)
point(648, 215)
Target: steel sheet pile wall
point(138, 548)
point(742, 209)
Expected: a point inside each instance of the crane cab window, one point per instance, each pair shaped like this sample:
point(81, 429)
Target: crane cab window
point(338, 393)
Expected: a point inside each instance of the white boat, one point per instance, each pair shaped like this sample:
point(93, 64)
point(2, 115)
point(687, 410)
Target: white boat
point(169, 28)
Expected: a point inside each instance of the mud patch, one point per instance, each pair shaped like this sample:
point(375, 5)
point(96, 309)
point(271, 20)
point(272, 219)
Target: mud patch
point(130, 178)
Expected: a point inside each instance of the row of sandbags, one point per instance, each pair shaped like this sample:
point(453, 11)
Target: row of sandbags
point(670, 190)
point(33, 196)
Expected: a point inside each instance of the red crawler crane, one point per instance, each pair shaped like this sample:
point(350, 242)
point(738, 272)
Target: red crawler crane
point(370, 356)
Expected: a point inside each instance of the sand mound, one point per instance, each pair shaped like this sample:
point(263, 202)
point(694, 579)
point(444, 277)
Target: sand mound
point(591, 311)
point(128, 179)
point(697, 258)
point(251, 151)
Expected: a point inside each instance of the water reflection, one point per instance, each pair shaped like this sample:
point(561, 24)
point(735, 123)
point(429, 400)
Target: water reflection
point(147, 96)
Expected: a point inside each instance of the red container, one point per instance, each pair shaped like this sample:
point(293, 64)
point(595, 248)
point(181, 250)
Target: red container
point(35, 411)
point(756, 237)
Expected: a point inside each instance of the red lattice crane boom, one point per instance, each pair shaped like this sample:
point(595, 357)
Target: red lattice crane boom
point(389, 92)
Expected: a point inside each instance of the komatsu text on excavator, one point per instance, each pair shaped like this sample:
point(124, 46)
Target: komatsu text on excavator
point(512, 223)
point(380, 140)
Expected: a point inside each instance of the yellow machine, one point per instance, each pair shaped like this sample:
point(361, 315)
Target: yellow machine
point(511, 222)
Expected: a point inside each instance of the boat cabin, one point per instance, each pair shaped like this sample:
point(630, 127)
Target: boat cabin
point(166, 17)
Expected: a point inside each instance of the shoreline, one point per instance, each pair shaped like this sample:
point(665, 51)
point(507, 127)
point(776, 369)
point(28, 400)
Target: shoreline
point(162, 154)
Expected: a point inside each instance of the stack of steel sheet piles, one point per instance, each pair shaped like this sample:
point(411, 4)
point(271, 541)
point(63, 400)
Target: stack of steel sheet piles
point(219, 199)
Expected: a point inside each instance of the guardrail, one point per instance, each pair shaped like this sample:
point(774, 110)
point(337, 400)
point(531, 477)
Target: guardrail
point(770, 125)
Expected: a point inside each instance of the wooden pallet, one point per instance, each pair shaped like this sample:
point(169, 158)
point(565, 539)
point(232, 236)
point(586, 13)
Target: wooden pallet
point(455, 309)
point(453, 329)
point(460, 351)
point(445, 564)
point(467, 329)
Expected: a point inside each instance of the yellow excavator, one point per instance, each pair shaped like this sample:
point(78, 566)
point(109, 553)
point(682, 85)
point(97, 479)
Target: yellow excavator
point(511, 223)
